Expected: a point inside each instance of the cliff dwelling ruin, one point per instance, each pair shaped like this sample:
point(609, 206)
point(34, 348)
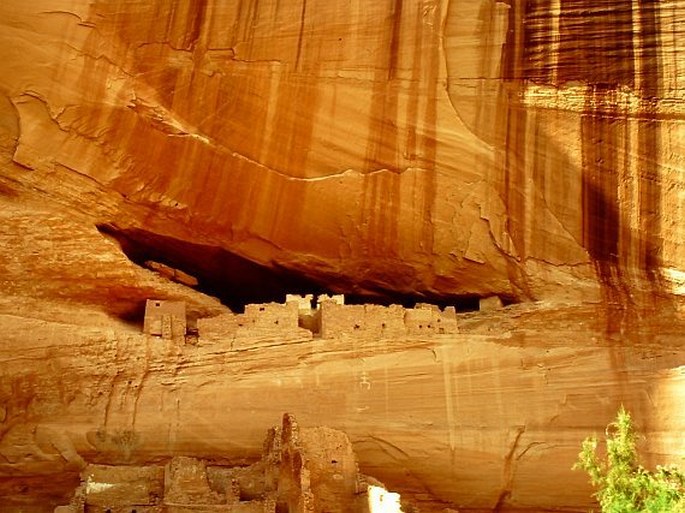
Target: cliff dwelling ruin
point(298, 319)
point(302, 470)
point(166, 319)
point(452, 230)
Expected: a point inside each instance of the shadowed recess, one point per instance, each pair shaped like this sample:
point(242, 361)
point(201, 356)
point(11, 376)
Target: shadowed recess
point(234, 280)
point(237, 281)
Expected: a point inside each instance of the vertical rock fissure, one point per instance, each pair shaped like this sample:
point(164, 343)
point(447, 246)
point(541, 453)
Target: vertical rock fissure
point(509, 470)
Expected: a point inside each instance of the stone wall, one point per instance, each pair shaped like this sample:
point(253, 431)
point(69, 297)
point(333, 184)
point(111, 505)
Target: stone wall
point(429, 319)
point(311, 470)
point(361, 320)
point(330, 318)
point(113, 488)
point(166, 319)
point(385, 321)
point(271, 321)
point(186, 483)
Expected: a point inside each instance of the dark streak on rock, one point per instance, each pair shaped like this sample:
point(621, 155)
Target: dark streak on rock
point(395, 39)
point(596, 45)
point(593, 43)
point(195, 22)
point(300, 36)
point(513, 125)
point(601, 209)
point(648, 140)
point(395, 143)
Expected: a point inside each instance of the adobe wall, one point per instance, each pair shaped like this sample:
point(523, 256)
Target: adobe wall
point(385, 321)
point(334, 478)
point(361, 320)
point(266, 321)
point(220, 328)
point(428, 319)
point(166, 319)
point(115, 488)
point(186, 483)
point(297, 320)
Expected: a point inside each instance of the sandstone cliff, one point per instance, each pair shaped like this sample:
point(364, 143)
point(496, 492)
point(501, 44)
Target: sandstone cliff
point(403, 151)
point(529, 149)
point(487, 419)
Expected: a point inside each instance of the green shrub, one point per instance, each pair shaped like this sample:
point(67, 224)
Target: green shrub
point(622, 484)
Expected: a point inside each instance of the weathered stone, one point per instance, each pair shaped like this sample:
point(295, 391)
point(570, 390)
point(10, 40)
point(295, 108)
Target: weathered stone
point(490, 303)
point(108, 486)
point(313, 470)
point(172, 274)
point(474, 416)
point(435, 148)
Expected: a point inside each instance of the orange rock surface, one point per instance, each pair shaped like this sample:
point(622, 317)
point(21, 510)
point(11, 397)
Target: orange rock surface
point(435, 147)
point(488, 419)
point(310, 470)
point(433, 150)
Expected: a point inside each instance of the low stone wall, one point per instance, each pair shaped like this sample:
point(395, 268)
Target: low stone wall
point(330, 319)
point(385, 321)
point(265, 321)
point(429, 319)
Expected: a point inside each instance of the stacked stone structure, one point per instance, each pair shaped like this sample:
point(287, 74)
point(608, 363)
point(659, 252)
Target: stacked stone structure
point(310, 470)
point(297, 319)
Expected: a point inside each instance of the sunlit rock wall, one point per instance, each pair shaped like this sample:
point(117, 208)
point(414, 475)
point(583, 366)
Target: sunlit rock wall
point(490, 419)
point(530, 149)
point(582, 105)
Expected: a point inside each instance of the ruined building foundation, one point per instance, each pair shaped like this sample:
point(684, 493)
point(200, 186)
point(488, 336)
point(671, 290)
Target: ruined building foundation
point(302, 470)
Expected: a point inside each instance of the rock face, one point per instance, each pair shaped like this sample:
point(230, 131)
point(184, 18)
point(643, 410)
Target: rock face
point(427, 148)
point(464, 153)
point(486, 419)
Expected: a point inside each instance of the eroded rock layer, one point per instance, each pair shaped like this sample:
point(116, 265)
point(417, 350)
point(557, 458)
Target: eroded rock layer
point(489, 418)
point(449, 150)
point(436, 148)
